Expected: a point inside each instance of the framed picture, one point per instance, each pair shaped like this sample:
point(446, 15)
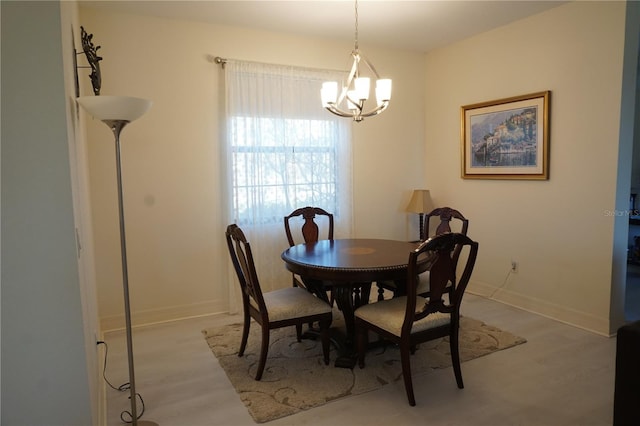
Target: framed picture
point(507, 138)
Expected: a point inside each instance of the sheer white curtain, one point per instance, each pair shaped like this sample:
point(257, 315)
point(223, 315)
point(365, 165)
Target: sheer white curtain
point(283, 151)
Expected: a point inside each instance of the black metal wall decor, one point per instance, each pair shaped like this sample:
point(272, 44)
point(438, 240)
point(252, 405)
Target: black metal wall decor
point(91, 52)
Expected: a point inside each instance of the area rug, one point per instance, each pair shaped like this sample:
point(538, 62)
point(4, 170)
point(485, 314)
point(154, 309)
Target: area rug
point(296, 379)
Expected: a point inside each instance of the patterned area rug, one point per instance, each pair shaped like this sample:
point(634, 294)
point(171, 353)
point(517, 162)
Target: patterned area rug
point(296, 379)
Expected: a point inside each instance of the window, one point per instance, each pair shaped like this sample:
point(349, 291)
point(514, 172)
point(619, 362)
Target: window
point(281, 164)
point(283, 151)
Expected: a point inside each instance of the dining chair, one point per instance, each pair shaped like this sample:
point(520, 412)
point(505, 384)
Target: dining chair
point(274, 309)
point(310, 233)
point(310, 229)
point(412, 319)
point(445, 215)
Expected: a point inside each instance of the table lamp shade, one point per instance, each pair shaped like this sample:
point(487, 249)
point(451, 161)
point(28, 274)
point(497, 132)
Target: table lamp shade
point(420, 201)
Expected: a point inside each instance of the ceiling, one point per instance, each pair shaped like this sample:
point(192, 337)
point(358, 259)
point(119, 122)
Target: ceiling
point(416, 25)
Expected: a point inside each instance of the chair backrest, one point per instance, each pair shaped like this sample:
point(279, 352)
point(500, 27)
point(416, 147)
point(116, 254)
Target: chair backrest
point(242, 259)
point(310, 230)
point(445, 215)
point(438, 251)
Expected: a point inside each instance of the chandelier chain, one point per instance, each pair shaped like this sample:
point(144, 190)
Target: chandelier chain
point(356, 34)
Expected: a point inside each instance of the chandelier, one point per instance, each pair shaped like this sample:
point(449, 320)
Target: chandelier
point(356, 91)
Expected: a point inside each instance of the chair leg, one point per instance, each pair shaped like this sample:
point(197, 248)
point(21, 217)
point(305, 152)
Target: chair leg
point(362, 340)
point(365, 291)
point(455, 355)
point(380, 292)
point(324, 335)
point(245, 333)
point(299, 331)
point(405, 355)
point(264, 348)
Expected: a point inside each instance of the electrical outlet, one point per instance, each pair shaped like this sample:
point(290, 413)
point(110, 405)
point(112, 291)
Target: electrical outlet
point(514, 266)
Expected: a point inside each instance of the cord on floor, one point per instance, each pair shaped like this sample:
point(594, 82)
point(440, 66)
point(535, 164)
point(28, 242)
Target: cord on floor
point(122, 388)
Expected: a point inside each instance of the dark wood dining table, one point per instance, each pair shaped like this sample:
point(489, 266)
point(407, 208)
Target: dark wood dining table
point(349, 267)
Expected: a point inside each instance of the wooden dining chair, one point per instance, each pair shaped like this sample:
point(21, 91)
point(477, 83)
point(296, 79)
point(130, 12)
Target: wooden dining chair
point(445, 215)
point(413, 319)
point(310, 230)
point(309, 233)
point(274, 309)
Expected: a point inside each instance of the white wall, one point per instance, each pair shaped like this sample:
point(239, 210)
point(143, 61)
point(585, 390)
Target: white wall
point(48, 359)
point(557, 230)
point(175, 228)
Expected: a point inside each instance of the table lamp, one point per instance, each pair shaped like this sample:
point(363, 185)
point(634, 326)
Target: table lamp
point(420, 203)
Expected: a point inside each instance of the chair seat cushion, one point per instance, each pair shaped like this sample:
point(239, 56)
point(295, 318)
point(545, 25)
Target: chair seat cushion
point(389, 315)
point(423, 283)
point(292, 302)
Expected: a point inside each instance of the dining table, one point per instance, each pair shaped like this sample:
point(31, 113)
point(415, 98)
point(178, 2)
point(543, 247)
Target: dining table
point(349, 267)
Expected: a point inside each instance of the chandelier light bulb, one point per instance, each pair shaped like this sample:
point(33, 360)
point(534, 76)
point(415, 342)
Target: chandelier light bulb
point(329, 93)
point(383, 90)
point(352, 97)
point(362, 88)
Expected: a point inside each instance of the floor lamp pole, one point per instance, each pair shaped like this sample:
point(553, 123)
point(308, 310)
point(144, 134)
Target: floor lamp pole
point(116, 127)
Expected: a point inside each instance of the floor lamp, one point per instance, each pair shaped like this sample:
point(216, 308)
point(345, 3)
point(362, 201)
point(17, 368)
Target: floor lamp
point(116, 112)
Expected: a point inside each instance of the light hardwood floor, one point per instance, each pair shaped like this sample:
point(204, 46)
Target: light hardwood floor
point(562, 376)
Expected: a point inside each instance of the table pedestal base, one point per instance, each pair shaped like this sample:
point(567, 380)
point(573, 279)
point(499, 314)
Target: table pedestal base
point(346, 355)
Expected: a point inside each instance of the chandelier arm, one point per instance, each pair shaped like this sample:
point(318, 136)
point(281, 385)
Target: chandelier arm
point(356, 102)
point(352, 74)
point(376, 111)
point(370, 65)
point(334, 110)
point(359, 115)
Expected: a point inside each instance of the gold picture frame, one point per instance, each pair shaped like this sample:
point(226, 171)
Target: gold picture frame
point(506, 138)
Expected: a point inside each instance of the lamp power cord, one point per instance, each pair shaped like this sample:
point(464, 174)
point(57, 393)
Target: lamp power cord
point(501, 286)
point(125, 415)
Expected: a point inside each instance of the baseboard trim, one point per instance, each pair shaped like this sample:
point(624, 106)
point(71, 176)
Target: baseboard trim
point(553, 311)
point(155, 316)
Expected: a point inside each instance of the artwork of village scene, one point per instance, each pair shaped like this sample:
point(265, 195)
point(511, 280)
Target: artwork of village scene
point(505, 138)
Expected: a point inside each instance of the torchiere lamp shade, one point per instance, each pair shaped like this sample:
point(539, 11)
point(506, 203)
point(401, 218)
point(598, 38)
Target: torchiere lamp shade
point(125, 108)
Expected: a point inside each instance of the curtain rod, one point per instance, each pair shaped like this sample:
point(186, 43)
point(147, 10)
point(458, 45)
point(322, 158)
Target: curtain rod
point(217, 59)
point(223, 61)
